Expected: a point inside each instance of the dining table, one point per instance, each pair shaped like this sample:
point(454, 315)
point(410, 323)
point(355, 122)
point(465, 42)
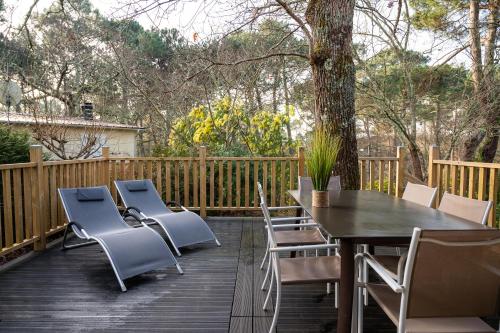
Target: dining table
point(374, 218)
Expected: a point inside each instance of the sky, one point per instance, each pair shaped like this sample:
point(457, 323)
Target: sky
point(207, 17)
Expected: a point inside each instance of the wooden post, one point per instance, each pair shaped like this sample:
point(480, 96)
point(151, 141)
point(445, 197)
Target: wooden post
point(400, 171)
point(301, 162)
point(39, 203)
point(432, 179)
point(105, 166)
point(203, 181)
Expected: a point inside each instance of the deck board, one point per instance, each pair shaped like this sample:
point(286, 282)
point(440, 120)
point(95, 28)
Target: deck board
point(76, 291)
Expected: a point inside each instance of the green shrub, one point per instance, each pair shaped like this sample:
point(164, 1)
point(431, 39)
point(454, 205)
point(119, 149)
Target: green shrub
point(14, 145)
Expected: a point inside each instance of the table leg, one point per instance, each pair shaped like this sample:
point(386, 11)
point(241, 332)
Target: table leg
point(346, 286)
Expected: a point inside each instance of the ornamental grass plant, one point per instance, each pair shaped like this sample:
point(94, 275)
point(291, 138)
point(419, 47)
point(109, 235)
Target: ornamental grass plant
point(321, 157)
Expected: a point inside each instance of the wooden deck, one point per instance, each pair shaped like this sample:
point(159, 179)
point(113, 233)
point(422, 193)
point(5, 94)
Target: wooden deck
point(76, 291)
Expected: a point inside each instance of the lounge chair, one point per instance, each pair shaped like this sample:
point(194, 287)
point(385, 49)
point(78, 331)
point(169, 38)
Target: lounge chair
point(182, 229)
point(93, 216)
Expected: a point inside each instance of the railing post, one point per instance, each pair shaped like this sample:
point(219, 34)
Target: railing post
point(203, 181)
point(400, 171)
point(38, 205)
point(301, 163)
point(432, 170)
point(105, 166)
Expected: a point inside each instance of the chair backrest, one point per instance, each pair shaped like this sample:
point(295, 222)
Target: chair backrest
point(306, 185)
point(141, 194)
point(267, 215)
point(420, 194)
point(469, 209)
point(93, 208)
point(454, 273)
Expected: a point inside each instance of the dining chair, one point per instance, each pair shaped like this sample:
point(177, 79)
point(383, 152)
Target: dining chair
point(469, 209)
point(287, 235)
point(306, 185)
point(421, 195)
point(451, 278)
point(299, 270)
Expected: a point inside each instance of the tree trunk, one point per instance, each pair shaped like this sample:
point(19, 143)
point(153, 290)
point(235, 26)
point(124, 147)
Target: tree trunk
point(333, 76)
point(474, 140)
point(437, 125)
point(287, 105)
point(415, 161)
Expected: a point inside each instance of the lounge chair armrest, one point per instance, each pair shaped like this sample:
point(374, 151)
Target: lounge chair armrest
point(285, 219)
point(304, 248)
point(134, 215)
point(80, 228)
point(284, 208)
point(381, 272)
point(128, 209)
point(293, 225)
point(168, 203)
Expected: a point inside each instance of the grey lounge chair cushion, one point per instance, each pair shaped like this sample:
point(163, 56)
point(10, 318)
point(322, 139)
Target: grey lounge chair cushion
point(136, 250)
point(90, 194)
point(136, 186)
point(185, 228)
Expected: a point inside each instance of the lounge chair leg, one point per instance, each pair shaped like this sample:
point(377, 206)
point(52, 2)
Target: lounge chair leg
point(122, 285)
point(177, 251)
point(179, 269)
point(217, 241)
point(74, 246)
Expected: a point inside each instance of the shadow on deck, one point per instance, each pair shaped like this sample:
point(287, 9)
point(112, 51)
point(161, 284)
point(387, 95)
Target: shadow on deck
point(76, 291)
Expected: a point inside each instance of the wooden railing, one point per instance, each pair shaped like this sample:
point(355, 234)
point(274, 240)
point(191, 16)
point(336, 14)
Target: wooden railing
point(385, 174)
point(213, 183)
point(31, 210)
point(468, 179)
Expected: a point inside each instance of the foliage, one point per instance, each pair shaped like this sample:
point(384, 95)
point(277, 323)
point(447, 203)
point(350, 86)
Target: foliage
point(14, 145)
point(321, 157)
point(226, 128)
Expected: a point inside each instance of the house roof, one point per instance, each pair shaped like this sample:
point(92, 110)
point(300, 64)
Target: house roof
point(26, 119)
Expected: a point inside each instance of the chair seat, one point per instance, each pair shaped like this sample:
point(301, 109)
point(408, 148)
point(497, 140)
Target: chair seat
point(390, 263)
point(310, 269)
point(390, 302)
point(299, 237)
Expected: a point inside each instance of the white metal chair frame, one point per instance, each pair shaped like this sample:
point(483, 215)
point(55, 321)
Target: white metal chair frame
point(303, 224)
point(402, 287)
point(274, 252)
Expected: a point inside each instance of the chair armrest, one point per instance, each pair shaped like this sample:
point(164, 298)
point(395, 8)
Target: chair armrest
point(304, 247)
point(81, 229)
point(132, 214)
point(286, 226)
point(382, 273)
point(284, 208)
point(168, 203)
point(285, 219)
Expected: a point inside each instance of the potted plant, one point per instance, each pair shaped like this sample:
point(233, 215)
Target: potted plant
point(320, 160)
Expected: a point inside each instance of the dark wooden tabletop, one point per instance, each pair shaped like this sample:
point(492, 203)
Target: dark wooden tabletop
point(372, 215)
